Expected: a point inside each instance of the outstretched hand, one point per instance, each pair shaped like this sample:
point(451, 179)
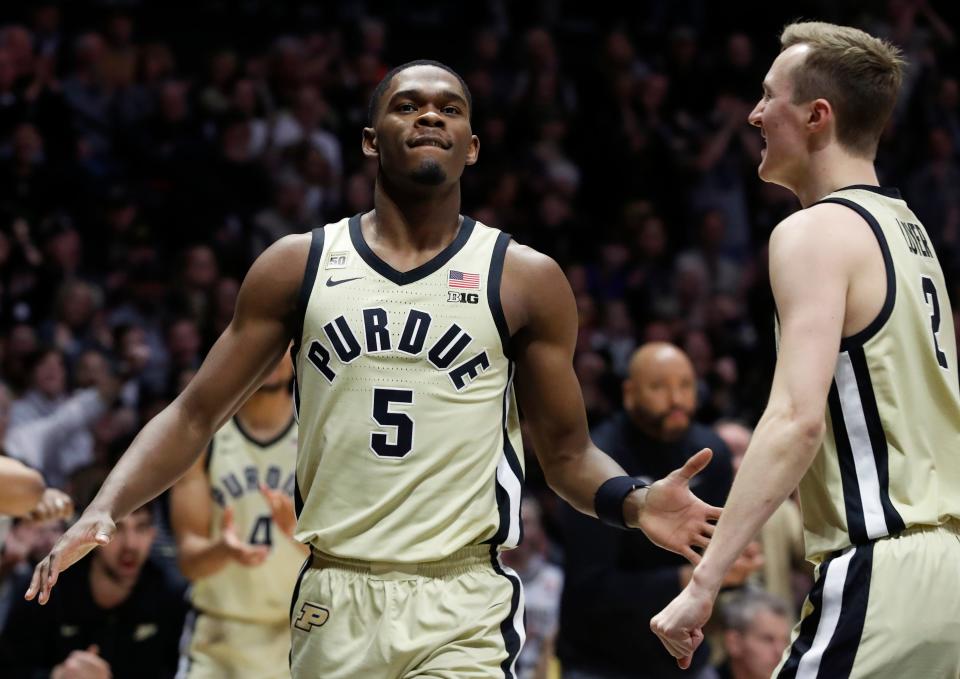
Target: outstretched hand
point(92, 530)
point(674, 518)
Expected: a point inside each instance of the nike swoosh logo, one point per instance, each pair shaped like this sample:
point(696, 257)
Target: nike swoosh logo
point(331, 282)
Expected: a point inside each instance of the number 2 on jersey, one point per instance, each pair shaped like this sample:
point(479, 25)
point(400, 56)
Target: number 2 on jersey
point(930, 299)
point(400, 423)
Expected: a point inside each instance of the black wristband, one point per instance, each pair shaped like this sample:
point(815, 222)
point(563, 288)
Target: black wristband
point(608, 502)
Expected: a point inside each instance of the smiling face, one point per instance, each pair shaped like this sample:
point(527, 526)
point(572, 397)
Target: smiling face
point(421, 130)
point(782, 123)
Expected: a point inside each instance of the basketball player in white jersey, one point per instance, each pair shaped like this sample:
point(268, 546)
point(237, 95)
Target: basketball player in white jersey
point(864, 412)
point(409, 324)
point(233, 518)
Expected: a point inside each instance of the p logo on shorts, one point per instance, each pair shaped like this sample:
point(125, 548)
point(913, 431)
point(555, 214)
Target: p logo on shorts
point(311, 615)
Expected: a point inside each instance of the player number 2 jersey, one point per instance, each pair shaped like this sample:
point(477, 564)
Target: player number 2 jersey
point(409, 435)
point(890, 458)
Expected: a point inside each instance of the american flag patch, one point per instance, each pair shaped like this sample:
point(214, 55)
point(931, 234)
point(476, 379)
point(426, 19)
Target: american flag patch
point(461, 279)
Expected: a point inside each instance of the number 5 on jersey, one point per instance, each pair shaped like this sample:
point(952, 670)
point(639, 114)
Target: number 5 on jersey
point(398, 424)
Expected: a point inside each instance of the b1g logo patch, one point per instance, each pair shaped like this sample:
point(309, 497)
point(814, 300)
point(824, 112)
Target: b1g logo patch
point(463, 297)
point(311, 615)
point(337, 260)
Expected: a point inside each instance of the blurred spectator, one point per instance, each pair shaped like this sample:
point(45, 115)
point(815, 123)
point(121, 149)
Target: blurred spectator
point(616, 580)
point(757, 630)
point(542, 586)
point(51, 431)
point(114, 615)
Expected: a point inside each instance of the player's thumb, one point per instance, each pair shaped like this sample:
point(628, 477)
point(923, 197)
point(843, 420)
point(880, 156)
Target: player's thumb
point(93, 648)
point(695, 464)
point(104, 532)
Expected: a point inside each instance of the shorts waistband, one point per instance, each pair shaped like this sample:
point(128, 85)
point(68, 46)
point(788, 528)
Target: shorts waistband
point(464, 560)
point(950, 526)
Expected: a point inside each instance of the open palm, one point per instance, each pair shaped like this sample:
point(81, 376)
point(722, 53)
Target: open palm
point(673, 517)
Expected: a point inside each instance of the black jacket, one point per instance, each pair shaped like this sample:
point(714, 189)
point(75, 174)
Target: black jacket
point(138, 638)
point(616, 580)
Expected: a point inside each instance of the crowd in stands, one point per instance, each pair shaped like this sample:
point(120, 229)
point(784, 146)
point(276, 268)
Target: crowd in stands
point(150, 151)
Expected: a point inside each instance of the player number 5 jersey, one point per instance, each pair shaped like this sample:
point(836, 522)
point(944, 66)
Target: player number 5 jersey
point(409, 436)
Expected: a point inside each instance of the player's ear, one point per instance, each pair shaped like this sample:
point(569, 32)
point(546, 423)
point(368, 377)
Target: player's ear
point(369, 143)
point(473, 151)
point(820, 115)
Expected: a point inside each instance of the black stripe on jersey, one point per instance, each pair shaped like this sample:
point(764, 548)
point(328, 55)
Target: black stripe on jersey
point(297, 498)
point(837, 659)
point(503, 497)
point(208, 456)
point(414, 275)
point(856, 526)
point(306, 288)
point(493, 290)
point(808, 626)
point(511, 637)
point(860, 338)
point(878, 438)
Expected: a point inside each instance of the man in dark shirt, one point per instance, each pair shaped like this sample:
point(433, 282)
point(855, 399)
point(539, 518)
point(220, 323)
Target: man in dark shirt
point(616, 580)
point(117, 616)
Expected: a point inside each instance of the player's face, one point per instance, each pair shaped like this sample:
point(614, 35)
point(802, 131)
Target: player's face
point(422, 134)
point(123, 558)
point(782, 123)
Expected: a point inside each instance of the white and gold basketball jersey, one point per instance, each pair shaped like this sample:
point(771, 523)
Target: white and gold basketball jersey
point(890, 458)
point(236, 466)
point(409, 435)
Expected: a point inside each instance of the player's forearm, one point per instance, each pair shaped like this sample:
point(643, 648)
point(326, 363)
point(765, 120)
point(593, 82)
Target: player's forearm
point(159, 455)
point(199, 557)
point(782, 449)
point(577, 475)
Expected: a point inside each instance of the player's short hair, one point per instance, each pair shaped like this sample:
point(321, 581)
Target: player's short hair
point(857, 73)
point(388, 78)
point(742, 608)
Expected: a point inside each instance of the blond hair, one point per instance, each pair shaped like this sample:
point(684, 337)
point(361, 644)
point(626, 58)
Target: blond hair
point(857, 73)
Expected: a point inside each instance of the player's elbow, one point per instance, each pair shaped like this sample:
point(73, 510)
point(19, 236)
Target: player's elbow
point(806, 428)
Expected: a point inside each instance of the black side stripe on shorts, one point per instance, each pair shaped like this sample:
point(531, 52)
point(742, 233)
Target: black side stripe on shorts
point(512, 640)
point(186, 639)
point(830, 635)
point(296, 587)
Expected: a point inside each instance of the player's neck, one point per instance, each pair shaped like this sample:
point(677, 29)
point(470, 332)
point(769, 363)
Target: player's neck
point(404, 222)
point(266, 414)
point(830, 170)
